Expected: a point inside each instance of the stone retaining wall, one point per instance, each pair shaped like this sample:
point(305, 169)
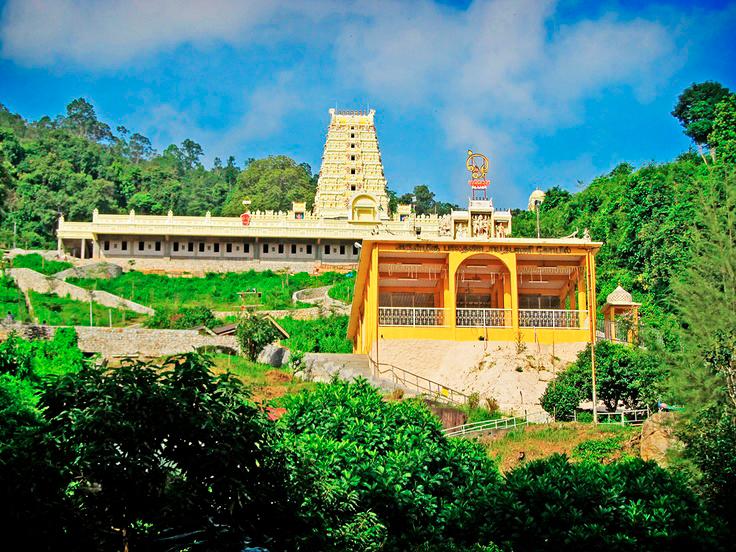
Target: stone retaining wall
point(113, 342)
point(28, 279)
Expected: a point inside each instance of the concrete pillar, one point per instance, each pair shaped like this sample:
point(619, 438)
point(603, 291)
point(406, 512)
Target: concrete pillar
point(256, 249)
point(82, 253)
point(95, 248)
point(59, 247)
point(454, 260)
point(167, 248)
point(514, 291)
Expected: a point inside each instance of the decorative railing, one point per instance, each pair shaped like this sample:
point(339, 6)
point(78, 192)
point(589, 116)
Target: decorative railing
point(483, 318)
point(553, 318)
point(486, 425)
point(411, 316)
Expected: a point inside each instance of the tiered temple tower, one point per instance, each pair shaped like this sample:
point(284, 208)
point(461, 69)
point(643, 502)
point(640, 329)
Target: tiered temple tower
point(351, 182)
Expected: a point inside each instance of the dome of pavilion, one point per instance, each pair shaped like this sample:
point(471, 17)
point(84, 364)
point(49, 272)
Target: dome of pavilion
point(619, 296)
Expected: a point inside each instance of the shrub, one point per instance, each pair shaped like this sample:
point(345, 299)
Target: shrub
point(254, 333)
point(596, 450)
point(553, 504)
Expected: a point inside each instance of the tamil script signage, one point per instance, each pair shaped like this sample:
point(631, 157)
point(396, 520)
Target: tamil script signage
point(480, 248)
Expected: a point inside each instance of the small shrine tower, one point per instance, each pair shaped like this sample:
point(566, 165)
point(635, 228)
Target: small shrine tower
point(351, 181)
point(620, 303)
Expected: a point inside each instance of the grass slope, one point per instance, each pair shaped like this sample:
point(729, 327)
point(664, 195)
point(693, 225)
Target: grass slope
point(63, 311)
point(36, 262)
point(218, 292)
point(579, 441)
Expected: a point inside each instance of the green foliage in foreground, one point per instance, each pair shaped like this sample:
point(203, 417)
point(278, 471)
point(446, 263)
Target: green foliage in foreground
point(218, 292)
point(390, 460)
point(12, 300)
point(178, 459)
point(64, 311)
point(36, 262)
point(321, 335)
point(623, 373)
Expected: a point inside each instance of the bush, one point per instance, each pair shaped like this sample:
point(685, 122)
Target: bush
point(365, 455)
point(254, 333)
point(182, 319)
point(553, 504)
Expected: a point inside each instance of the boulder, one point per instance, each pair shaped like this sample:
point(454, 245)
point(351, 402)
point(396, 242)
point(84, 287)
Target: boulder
point(657, 437)
point(274, 355)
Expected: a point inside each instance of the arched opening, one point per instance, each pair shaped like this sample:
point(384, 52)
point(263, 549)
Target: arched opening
point(364, 209)
point(483, 292)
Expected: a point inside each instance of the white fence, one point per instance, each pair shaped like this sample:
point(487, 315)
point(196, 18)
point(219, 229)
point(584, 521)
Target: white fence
point(411, 316)
point(483, 318)
point(553, 318)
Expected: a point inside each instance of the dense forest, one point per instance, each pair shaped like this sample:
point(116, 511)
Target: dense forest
point(75, 163)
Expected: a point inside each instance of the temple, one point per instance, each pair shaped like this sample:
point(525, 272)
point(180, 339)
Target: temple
point(351, 204)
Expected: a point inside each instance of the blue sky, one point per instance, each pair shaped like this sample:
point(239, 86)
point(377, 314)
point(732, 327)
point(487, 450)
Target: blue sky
point(555, 93)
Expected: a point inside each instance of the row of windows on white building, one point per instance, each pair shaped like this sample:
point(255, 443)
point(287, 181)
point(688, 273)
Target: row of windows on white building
point(216, 247)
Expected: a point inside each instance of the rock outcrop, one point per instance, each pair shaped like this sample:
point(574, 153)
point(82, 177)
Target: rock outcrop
point(658, 437)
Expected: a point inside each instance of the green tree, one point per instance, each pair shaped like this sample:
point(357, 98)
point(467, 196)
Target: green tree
point(271, 184)
point(696, 109)
point(167, 458)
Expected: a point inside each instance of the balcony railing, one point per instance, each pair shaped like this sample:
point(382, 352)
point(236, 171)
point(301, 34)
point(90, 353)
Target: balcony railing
point(411, 316)
point(553, 318)
point(483, 318)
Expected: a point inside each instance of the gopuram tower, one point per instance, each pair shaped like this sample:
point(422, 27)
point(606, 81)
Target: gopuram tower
point(351, 182)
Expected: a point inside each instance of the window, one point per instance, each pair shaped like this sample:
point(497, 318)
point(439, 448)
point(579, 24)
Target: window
point(201, 247)
point(176, 247)
point(124, 246)
point(158, 246)
point(190, 246)
point(352, 135)
point(309, 249)
point(228, 248)
point(301, 250)
point(265, 248)
point(352, 158)
point(141, 246)
point(352, 146)
point(352, 171)
point(107, 245)
point(355, 250)
point(352, 187)
point(293, 249)
point(281, 248)
point(342, 250)
point(246, 248)
point(327, 249)
point(217, 248)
